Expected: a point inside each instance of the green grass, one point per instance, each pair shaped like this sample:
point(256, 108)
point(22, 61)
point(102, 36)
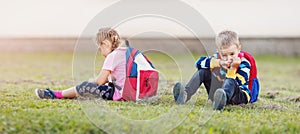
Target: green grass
point(277, 110)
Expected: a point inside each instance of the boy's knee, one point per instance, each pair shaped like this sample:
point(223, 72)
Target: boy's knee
point(230, 86)
point(205, 74)
point(229, 82)
point(204, 71)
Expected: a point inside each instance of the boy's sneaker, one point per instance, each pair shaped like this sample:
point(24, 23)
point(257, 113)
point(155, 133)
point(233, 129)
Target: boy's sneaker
point(179, 94)
point(219, 99)
point(45, 94)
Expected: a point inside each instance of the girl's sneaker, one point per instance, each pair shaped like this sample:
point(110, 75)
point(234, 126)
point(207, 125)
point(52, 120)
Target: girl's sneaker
point(219, 99)
point(45, 94)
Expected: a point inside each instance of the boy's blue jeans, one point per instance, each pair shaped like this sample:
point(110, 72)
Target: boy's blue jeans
point(233, 92)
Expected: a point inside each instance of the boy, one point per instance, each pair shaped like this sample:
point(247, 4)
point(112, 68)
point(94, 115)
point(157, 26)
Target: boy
point(225, 75)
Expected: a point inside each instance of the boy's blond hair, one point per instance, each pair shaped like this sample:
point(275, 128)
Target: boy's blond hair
point(227, 38)
point(109, 34)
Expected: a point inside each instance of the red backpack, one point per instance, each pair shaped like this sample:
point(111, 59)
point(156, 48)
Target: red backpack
point(253, 80)
point(141, 76)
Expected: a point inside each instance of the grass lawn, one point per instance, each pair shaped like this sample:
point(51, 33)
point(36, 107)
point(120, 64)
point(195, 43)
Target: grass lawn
point(276, 111)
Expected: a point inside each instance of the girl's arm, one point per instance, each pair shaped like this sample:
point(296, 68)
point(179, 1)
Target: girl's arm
point(102, 78)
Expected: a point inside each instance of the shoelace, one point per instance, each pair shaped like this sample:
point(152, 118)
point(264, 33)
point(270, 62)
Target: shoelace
point(50, 93)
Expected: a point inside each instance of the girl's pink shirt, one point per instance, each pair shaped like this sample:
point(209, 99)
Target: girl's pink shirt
point(116, 63)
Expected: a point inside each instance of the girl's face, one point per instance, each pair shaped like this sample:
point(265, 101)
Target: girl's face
point(105, 47)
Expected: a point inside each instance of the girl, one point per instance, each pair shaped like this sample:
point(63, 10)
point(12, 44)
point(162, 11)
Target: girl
point(108, 41)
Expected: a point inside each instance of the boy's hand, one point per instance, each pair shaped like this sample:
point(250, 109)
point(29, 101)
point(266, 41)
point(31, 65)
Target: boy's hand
point(225, 64)
point(235, 63)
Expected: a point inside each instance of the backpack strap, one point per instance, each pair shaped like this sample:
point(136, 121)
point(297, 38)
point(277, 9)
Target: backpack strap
point(253, 70)
point(149, 61)
point(132, 53)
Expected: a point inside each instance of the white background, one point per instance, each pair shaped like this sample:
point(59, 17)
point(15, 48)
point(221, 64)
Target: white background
point(67, 18)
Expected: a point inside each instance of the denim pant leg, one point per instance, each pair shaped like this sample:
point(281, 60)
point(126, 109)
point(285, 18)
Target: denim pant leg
point(214, 85)
point(234, 93)
point(199, 77)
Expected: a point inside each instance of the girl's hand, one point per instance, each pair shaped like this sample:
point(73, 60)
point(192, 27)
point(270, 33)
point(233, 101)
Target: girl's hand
point(102, 77)
point(111, 78)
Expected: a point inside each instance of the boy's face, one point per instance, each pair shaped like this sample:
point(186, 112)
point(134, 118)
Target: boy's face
point(230, 52)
